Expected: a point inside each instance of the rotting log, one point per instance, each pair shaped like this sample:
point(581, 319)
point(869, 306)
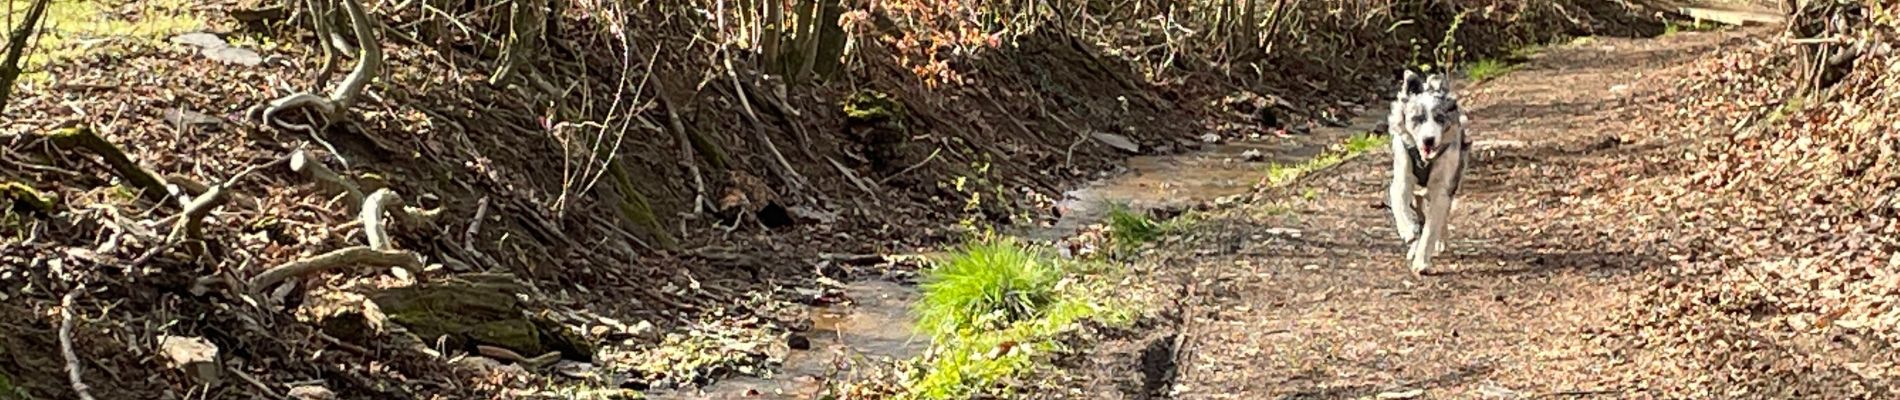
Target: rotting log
point(137, 176)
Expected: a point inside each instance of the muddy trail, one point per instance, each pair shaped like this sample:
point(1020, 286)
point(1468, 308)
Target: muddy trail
point(1302, 293)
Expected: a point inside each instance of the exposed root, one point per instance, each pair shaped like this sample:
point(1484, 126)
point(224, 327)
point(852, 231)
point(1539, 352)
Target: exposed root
point(372, 217)
point(190, 226)
point(66, 344)
point(369, 63)
point(354, 256)
point(301, 162)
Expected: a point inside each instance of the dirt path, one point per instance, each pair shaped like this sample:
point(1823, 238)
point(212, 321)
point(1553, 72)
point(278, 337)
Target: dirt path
point(1306, 297)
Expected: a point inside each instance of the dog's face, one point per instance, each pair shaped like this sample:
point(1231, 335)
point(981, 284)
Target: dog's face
point(1429, 110)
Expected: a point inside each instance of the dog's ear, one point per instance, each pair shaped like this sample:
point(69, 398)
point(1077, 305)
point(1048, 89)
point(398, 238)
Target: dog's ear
point(1440, 82)
point(1410, 84)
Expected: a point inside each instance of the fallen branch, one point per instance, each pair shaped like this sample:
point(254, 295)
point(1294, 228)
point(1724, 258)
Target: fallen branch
point(84, 138)
point(66, 344)
point(346, 257)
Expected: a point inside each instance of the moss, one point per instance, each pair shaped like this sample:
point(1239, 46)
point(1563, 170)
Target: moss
point(872, 107)
point(478, 311)
point(634, 207)
point(137, 176)
point(72, 29)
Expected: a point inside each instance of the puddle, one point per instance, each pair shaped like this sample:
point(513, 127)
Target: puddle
point(877, 325)
point(1151, 182)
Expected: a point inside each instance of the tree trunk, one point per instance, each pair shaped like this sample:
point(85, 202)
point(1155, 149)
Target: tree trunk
point(770, 35)
point(16, 47)
point(831, 40)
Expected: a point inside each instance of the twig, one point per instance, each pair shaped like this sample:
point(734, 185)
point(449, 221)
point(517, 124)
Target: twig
point(758, 126)
point(247, 378)
point(191, 224)
point(933, 156)
point(345, 257)
point(66, 344)
point(853, 177)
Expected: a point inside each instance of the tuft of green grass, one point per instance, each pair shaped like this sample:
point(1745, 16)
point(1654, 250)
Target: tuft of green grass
point(1129, 229)
point(1672, 27)
point(984, 284)
point(977, 287)
point(1484, 70)
point(1360, 143)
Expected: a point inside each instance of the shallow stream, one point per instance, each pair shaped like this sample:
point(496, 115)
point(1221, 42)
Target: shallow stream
point(876, 323)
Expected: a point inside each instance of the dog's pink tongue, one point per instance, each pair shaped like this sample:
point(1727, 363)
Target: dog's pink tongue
point(1425, 151)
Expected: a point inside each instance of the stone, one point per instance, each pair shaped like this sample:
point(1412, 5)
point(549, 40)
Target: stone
point(312, 393)
point(1117, 141)
point(197, 357)
point(1252, 156)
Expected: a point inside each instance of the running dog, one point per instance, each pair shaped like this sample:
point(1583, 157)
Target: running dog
point(1428, 161)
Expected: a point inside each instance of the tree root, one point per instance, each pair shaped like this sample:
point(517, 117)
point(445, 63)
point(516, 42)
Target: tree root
point(301, 162)
point(345, 257)
point(191, 224)
point(369, 63)
point(140, 178)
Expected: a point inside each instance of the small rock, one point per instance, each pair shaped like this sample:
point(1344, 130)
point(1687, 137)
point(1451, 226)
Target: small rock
point(234, 55)
point(200, 39)
point(1117, 141)
point(194, 355)
point(1210, 138)
point(1253, 155)
point(799, 342)
point(312, 393)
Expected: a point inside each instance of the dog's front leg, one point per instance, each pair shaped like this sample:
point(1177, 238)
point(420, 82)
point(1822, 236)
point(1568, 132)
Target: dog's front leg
point(1438, 195)
point(1399, 196)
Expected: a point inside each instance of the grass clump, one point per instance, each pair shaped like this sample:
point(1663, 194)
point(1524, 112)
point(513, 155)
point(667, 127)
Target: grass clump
point(993, 304)
point(1279, 174)
point(1486, 69)
point(986, 284)
point(1129, 229)
point(1672, 27)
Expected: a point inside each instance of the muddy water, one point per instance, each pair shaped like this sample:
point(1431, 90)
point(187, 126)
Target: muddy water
point(1151, 182)
point(876, 325)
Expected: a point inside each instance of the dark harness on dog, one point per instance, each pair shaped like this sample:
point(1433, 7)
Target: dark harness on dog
point(1422, 169)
